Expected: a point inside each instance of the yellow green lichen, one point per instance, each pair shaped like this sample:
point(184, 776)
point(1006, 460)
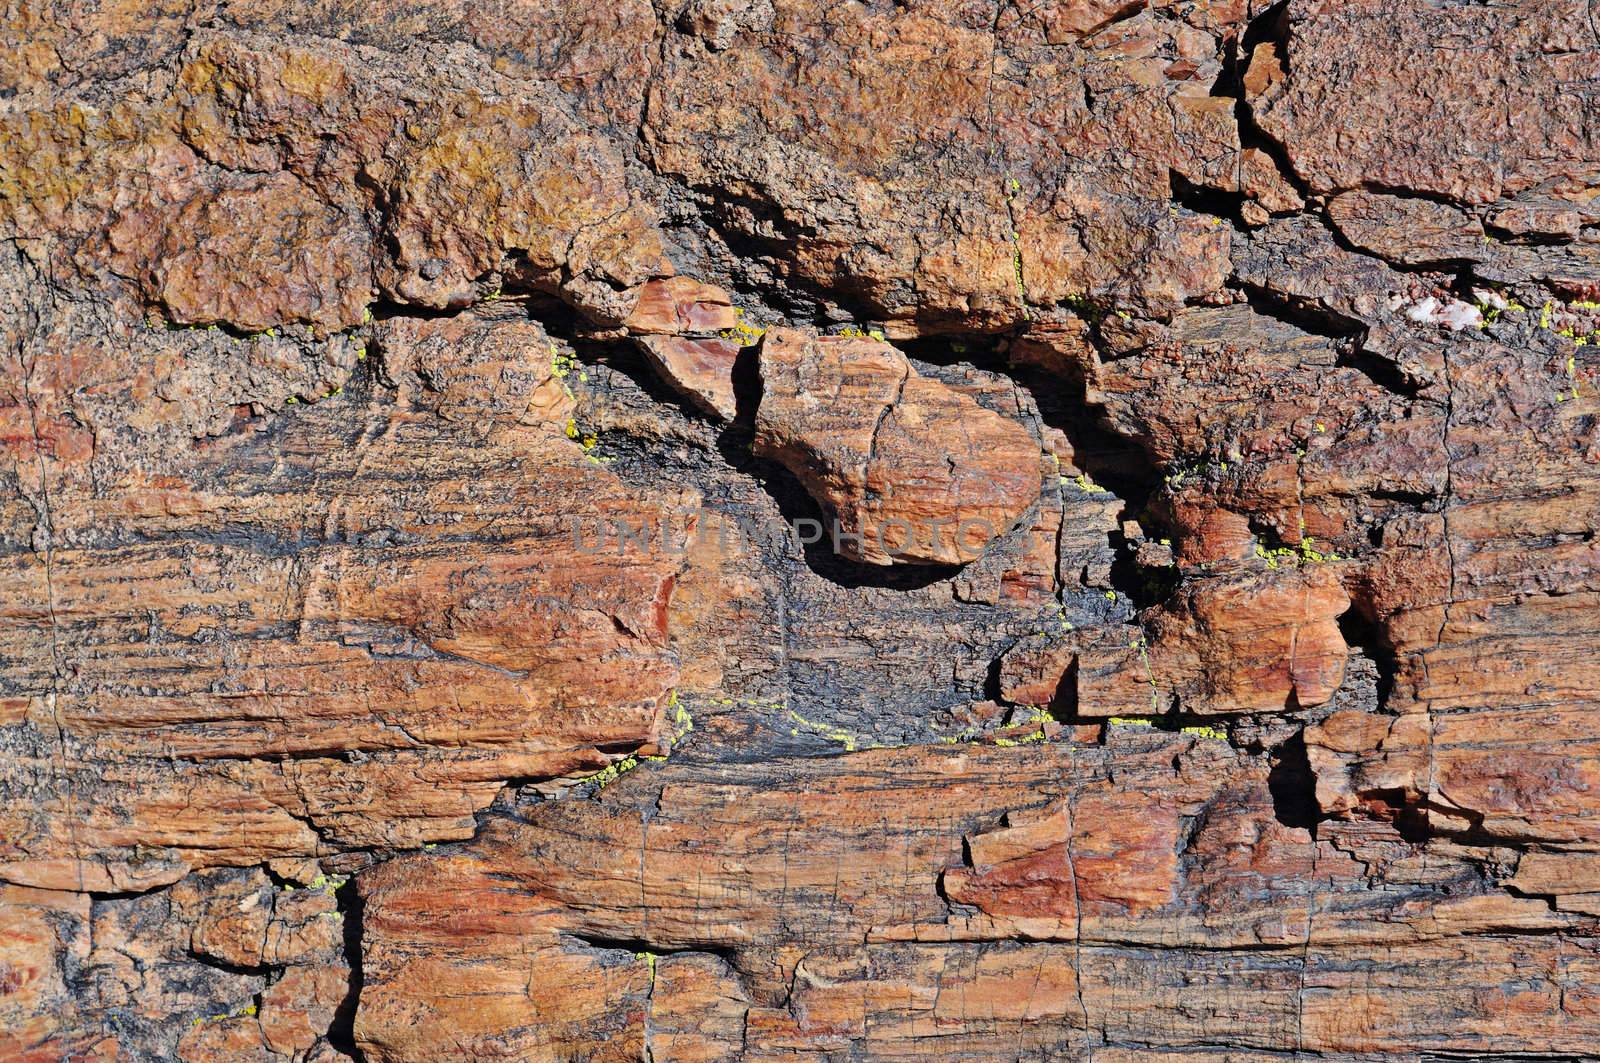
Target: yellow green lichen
point(682, 722)
point(1083, 482)
point(853, 332)
point(649, 959)
point(588, 441)
point(246, 1011)
point(1143, 650)
point(611, 773)
point(561, 363)
point(1039, 717)
point(832, 734)
point(1013, 187)
point(1572, 376)
point(1303, 554)
point(746, 334)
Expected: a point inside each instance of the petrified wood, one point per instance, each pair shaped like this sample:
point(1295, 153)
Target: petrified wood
point(455, 462)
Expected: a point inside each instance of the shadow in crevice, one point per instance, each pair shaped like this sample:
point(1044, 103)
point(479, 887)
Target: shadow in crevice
point(1270, 26)
point(341, 1032)
point(1116, 462)
point(747, 384)
point(639, 947)
point(978, 350)
point(1063, 707)
point(1143, 585)
point(795, 505)
point(1302, 315)
point(730, 446)
point(1349, 337)
point(1294, 785)
point(1203, 199)
point(1363, 634)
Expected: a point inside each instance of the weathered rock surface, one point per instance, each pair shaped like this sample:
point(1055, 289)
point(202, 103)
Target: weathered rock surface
point(839, 914)
point(906, 468)
point(405, 653)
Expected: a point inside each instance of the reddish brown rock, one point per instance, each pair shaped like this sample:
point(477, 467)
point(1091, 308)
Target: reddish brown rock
point(688, 332)
point(1102, 896)
point(906, 468)
point(1032, 672)
point(1063, 22)
point(676, 305)
point(261, 256)
point(1408, 232)
point(1258, 643)
point(700, 368)
point(1034, 877)
point(405, 654)
point(980, 187)
point(1440, 123)
point(486, 365)
point(568, 214)
point(1261, 729)
point(45, 933)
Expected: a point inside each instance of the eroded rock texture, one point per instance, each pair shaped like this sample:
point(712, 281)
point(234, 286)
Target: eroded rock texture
point(406, 650)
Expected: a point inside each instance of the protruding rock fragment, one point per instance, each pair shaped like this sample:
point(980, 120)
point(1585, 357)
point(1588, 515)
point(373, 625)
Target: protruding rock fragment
point(1064, 23)
point(1032, 671)
point(701, 369)
point(908, 469)
point(512, 179)
point(678, 321)
point(1253, 643)
point(1407, 231)
point(671, 306)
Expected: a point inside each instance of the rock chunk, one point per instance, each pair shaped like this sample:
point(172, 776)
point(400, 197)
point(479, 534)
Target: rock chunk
point(909, 470)
point(672, 305)
point(1379, 94)
point(264, 256)
point(676, 320)
point(1407, 231)
point(513, 182)
point(701, 369)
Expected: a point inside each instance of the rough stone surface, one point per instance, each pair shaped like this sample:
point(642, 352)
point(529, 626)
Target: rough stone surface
point(405, 409)
point(906, 468)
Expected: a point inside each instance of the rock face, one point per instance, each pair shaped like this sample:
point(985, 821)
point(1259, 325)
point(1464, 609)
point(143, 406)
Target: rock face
point(413, 420)
point(906, 468)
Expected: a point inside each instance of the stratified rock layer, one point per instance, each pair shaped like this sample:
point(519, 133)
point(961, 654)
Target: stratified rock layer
point(405, 648)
